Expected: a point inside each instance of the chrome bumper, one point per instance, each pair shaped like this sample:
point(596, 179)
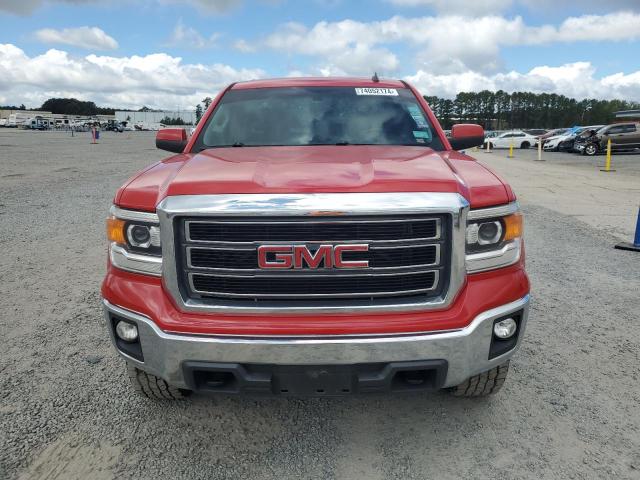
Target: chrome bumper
point(466, 351)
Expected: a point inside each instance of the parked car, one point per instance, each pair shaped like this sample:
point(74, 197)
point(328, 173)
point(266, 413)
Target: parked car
point(517, 138)
point(556, 132)
point(113, 126)
point(567, 144)
point(536, 132)
point(552, 143)
point(584, 137)
point(216, 281)
point(623, 136)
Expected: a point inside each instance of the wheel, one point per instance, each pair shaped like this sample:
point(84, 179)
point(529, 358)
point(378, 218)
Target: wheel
point(591, 149)
point(525, 145)
point(486, 383)
point(153, 387)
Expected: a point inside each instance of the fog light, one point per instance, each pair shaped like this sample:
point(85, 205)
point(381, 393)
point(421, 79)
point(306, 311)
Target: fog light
point(505, 328)
point(127, 331)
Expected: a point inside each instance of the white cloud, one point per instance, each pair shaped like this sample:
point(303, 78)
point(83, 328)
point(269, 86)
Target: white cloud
point(346, 47)
point(444, 43)
point(479, 7)
point(576, 80)
point(458, 6)
point(26, 7)
point(183, 36)
point(157, 80)
point(244, 46)
point(83, 37)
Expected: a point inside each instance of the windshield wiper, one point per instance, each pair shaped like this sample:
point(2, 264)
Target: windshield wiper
point(238, 144)
point(342, 143)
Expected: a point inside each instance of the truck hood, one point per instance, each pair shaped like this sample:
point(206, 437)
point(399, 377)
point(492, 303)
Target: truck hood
point(348, 168)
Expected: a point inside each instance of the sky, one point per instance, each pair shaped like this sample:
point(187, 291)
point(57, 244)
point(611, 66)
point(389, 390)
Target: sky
point(171, 54)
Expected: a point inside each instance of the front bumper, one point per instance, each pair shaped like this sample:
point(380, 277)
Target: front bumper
point(465, 351)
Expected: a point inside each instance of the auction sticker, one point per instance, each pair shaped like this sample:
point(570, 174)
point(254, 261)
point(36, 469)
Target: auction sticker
point(389, 92)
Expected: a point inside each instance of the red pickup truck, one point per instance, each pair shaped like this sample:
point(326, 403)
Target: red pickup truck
point(316, 236)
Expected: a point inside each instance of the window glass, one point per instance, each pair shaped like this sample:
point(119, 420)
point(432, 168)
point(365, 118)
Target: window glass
point(318, 116)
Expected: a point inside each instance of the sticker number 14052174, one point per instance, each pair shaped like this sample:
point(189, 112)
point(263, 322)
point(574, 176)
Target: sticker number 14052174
point(391, 92)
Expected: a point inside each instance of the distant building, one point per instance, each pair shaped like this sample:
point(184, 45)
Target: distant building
point(23, 118)
point(150, 118)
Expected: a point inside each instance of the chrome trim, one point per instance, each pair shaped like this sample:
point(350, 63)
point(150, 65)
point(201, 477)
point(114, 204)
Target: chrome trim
point(134, 215)
point(408, 242)
point(309, 205)
point(436, 281)
point(437, 235)
point(436, 262)
point(493, 212)
point(492, 259)
point(134, 262)
point(466, 350)
point(188, 223)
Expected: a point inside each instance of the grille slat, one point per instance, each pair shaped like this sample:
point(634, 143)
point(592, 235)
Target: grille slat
point(312, 231)
point(408, 257)
point(306, 285)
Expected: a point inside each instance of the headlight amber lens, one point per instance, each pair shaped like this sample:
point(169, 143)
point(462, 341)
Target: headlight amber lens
point(115, 230)
point(513, 227)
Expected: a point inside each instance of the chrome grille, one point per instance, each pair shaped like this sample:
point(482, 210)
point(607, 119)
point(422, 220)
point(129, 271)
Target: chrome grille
point(408, 257)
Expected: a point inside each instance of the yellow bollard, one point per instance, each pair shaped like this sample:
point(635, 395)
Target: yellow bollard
point(607, 165)
point(510, 150)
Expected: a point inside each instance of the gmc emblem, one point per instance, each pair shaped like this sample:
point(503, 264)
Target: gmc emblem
point(299, 256)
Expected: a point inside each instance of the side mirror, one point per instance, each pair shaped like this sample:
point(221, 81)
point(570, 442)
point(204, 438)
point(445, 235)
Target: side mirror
point(171, 139)
point(466, 135)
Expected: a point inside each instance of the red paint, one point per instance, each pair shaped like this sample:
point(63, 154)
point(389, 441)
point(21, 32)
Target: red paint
point(482, 292)
point(464, 130)
point(282, 254)
point(315, 169)
point(172, 135)
point(318, 82)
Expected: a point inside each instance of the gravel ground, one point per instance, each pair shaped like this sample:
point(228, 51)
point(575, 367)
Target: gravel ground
point(569, 408)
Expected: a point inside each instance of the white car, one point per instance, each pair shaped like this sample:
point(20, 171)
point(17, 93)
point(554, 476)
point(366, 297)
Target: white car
point(517, 138)
point(552, 143)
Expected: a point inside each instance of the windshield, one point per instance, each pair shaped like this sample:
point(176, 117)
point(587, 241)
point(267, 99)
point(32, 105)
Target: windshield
point(318, 116)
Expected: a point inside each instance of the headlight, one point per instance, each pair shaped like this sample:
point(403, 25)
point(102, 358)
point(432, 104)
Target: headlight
point(135, 241)
point(494, 238)
point(143, 236)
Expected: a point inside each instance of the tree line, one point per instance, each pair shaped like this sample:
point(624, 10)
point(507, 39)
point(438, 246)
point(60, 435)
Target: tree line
point(73, 106)
point(493, 110)
point(501, 110)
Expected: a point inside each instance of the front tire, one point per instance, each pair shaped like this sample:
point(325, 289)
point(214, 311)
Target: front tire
point(486, 383)
point(525, 145)
point(591, 149)
point(153, 387)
